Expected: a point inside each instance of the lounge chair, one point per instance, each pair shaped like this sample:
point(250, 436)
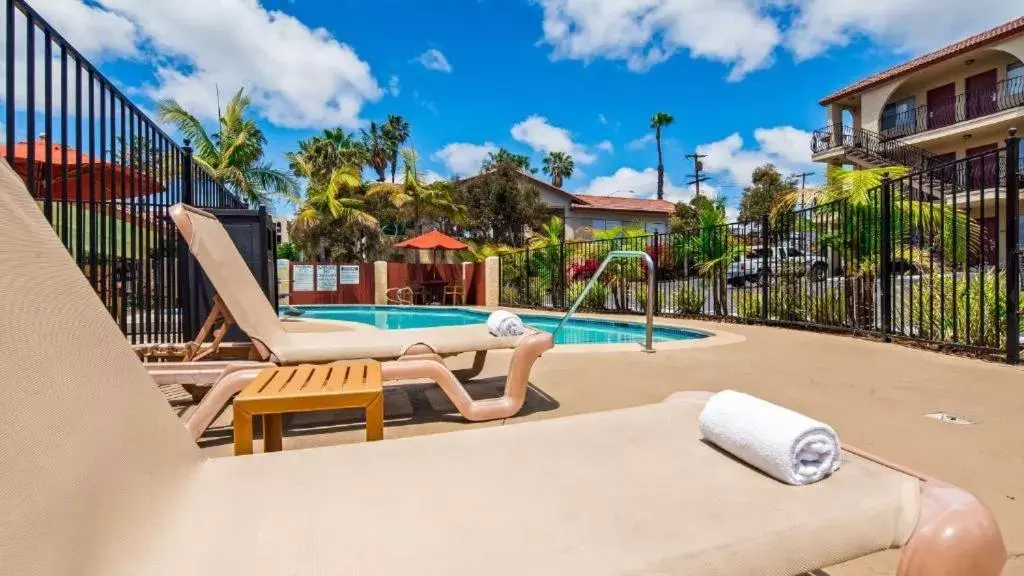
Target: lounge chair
point(99, 478)
point(420, 352)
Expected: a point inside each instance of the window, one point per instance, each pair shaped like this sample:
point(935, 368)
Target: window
point(597, 224)
point(1015, 81)
point(899, 115)
point(277, 231)
point(655, 227)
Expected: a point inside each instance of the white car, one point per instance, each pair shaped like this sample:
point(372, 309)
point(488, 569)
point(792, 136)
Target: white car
point(750, 266)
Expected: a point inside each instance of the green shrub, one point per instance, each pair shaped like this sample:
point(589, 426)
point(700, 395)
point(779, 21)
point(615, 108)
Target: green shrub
point(640, 295)
point(594, 300)
point(748, 305)
point(827, 307)
point(514, 294)
point(787, 302)
point(688, 300)
point(966, 311)
point(287, 251)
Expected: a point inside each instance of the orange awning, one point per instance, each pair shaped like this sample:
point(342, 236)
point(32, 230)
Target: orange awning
point(432, 240)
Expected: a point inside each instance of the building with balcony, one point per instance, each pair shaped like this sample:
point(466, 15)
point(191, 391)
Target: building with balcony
point(955, 103)
point(946, 105)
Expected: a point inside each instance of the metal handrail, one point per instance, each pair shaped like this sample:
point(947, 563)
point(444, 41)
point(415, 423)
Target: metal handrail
point(649, 343)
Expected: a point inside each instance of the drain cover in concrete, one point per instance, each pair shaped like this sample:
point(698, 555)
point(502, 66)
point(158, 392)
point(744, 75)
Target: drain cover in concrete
point(950, 418)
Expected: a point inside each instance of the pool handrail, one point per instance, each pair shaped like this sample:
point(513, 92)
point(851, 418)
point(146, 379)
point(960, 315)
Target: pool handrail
point(649, 343)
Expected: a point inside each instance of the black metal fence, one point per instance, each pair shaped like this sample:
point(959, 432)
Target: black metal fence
point(104, 175)
point(932, 256)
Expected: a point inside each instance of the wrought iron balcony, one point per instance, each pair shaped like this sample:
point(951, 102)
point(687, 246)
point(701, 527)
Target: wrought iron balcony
point(1007, 94)
point(856, 140)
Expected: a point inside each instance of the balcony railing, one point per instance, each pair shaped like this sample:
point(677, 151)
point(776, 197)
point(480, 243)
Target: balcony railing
point(1006, 94)
point(890, 151)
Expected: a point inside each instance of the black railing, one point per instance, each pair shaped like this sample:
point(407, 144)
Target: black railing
point(1005, 95)
point(934, 269)
point(104, 175)
point(887, 150)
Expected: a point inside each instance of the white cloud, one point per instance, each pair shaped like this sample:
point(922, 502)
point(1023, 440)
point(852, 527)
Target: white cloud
point(646, 32)
point(429, 177)
point(93, 31)
point(541, 136)
point(784, 146)
point(601, 118)
point(607, 146)
point(463, 158)
point(434, 59)
point(644, 184)
point(394, 85)
point(297, 76)
point(641, 142)
point(908, 25)
point(745, 34)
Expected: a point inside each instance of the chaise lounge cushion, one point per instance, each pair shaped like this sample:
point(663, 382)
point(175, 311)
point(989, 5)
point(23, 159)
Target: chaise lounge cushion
point(627, 492)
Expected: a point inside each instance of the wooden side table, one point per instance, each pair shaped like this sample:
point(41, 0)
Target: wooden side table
point(308, 388)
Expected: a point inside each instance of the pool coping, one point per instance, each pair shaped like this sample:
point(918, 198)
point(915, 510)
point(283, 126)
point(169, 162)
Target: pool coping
point(712, 338)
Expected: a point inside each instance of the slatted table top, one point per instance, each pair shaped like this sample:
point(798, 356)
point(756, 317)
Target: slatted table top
point(312, 387)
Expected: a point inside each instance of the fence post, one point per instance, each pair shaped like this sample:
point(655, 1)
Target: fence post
point(564, 275)
point(765, 266)
point(186, 267)
point(524, 294)
point(885, 259)
point(1012, 248)
point(656, 303)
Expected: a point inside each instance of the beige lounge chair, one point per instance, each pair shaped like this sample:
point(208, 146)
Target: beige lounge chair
point(419, 351)
point(99, 478)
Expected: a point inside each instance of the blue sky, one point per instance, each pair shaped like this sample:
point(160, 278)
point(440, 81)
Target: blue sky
point(741, 77)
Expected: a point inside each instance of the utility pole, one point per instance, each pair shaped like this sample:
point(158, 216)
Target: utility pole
point(803, 184)
point(698, 167)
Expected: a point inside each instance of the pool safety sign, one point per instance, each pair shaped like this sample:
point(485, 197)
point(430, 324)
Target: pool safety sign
point(326, 277)
point(302, 278)
point(348, 275)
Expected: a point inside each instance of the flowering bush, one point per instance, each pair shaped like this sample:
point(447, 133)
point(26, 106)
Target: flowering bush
point(583, 270)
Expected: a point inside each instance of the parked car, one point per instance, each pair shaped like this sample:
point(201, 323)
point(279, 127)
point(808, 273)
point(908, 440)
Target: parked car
point(750, 266)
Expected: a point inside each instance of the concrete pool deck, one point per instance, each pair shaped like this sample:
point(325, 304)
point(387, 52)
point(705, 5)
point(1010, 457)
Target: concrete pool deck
point(874, 394)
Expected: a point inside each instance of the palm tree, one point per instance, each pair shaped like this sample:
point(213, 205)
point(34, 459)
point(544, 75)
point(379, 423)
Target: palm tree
point(320, 155)
point(418, 200)
point(375, 141)
point(849, 205)
point(520, 161)
point(558, 165)
point(715, 249)
point(659, 121)
point(396, 133)
point(233, 154)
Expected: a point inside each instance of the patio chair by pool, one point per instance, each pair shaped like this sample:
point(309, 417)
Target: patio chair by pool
point(99, 478)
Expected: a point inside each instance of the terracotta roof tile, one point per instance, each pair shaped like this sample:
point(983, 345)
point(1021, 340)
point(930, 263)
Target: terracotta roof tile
point(1011, 28)
point(588, 202)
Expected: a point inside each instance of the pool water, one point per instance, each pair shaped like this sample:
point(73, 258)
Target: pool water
point(575, 331)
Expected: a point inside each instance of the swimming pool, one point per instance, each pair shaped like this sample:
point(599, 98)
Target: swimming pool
point(575, 331)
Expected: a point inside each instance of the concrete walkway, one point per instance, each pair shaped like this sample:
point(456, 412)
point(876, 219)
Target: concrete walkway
point(874, 394)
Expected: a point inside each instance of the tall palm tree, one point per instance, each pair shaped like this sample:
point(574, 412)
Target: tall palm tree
point(396, 133)
point(559, 165)
point(418, 200)
point(658, 121)
point(378, 151)
point(234, 153)
point(330, 203)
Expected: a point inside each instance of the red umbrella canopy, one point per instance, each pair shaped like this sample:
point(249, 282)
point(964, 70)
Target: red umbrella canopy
point(432, 240)
point(117, 181)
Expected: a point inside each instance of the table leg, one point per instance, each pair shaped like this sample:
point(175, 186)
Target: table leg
point(272, 432)
point(242, 423)
point(375, 419)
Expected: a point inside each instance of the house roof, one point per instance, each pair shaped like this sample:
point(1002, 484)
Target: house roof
point(1001, 32)
point(588, 202)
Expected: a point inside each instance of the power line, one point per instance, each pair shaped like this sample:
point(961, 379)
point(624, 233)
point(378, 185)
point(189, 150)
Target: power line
point(803, 184)
point(698, 167)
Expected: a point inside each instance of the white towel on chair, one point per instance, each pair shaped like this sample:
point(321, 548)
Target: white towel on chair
point(502, 323)
point(786, 445)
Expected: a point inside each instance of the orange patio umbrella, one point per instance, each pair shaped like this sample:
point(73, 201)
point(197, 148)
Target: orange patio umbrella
point(112, 175)
point(432, 240)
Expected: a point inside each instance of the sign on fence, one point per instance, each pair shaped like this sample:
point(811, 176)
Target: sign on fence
point(326, 277)
point(349, 275)
point(302, 278)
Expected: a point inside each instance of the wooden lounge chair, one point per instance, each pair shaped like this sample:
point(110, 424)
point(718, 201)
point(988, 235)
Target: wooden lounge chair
point(99, 478)
point(419, 352)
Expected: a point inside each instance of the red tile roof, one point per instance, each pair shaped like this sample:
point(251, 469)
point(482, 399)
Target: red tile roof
point(1001, 32)
point(588, 202)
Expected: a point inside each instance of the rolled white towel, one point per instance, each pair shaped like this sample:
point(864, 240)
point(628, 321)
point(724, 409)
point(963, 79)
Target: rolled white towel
point(503, 323)
point(784, 444)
